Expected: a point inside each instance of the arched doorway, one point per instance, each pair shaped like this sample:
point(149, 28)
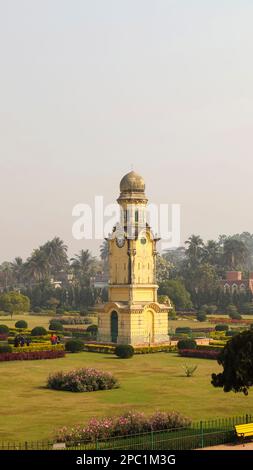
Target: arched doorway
point(114, 327)
point(149, 326)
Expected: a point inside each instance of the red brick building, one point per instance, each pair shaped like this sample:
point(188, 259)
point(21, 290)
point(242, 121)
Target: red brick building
point(234, 282)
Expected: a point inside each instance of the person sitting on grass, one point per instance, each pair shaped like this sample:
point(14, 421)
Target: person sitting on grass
point(16, 341)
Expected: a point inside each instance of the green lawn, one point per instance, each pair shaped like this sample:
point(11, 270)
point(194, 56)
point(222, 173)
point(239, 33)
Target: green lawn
point(28, 411)
point(32, 320)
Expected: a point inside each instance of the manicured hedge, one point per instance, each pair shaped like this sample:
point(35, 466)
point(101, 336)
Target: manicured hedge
point(27, 356)
point(200, 354)
point(110, 349)
point(39, 347)
point(155, 349)
point(99, 348)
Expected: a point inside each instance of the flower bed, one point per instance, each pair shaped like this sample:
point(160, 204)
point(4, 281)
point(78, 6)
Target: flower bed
point(32, 355)
point(127, 424)
point(197, 353)
point(210, 347)
point(82, 380)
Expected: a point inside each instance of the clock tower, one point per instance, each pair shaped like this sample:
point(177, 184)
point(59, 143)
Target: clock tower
point(132, 314)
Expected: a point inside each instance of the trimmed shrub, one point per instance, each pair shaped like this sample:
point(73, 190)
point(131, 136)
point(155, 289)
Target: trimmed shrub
point(221, 327)
point(82, 380)
point(21, 324)
point(183, 330)
point(5, 348)
point(201, 316)
point(4, 329)
point(39, 331)
point(186, 344)
point(124, 351)
point(129, 423)
point(25, 356)
point(74, 345)
point(55, 325)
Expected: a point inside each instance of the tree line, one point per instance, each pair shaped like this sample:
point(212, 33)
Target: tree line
point(189, 275)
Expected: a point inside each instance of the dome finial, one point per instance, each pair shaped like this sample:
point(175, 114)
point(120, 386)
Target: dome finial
point(132, 182)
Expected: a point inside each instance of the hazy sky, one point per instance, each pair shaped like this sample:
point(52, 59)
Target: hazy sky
point(89, 87)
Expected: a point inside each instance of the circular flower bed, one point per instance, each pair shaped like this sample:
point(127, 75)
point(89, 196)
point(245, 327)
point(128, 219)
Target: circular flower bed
point(82, 380)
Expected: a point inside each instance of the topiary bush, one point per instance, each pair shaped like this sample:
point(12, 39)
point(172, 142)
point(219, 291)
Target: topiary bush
point(4, 329)
point(39, 331)
point(74, 345)
point(201, 316)
point(221, 327)
point(55, 325)
point(21, 324)
point(187, 344)
point(124, 351)
point(5, 348)
point(82, 380)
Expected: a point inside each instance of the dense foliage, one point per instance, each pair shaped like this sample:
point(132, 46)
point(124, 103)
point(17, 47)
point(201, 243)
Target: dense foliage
point(237, 361)
point(14, 302)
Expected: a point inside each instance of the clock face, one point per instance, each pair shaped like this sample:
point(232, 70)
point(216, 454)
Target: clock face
point(143, 241)
point(120, 241)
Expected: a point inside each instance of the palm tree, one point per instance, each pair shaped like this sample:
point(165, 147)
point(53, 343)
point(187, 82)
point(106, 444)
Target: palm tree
point(56, 252)
point(37, 267)
point(235, 253)
point(83, 265)
point(212, 253)
point(17, 269)
point(6, 269)
point(195, 249)
point(104, 250)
